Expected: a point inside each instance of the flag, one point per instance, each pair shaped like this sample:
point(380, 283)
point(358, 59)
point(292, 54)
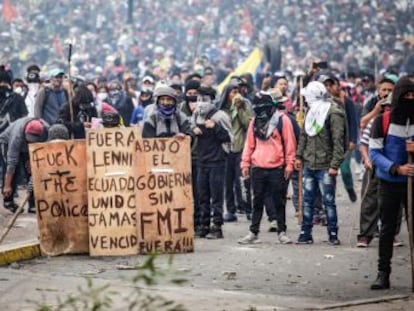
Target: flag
point(250, 65)
point(9, 11)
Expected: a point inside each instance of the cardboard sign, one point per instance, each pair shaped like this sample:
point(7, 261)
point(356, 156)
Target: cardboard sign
point(59, 182)
point(111, 191)
point(164, 196)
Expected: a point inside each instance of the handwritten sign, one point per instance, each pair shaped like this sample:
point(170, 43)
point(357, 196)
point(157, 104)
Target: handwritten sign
point(111, 191)
point(59, 182)
point(164, 196)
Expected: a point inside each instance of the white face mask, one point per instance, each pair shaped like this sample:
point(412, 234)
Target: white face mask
point(19, 91)
point(203, 108)
point(101, 96)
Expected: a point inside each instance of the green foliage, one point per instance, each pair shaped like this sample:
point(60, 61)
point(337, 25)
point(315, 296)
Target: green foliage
point(101, 298)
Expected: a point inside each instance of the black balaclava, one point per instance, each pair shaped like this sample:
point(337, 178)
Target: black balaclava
point(264, 108)
point(401, 108)
point(191, 85)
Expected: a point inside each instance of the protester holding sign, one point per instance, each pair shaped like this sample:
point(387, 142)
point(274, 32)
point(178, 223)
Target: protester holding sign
point(14, 148)
point(165, 119)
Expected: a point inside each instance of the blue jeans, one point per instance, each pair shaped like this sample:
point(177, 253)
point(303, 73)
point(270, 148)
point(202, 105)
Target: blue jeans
point(327, 185)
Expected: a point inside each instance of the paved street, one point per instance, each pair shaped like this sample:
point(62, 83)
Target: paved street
point(223, 275)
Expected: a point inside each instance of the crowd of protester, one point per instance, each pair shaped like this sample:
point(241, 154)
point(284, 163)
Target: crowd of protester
point(159, 67)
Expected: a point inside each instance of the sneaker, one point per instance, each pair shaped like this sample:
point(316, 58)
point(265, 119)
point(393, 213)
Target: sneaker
point(363, 242)
point(11, 206)
point(215, 233)
point(230, 217)
point(284, 239)
point(241, 211)
point(333, 239)
point(273, 226)
point(397, 242)
point(31, 210)
point(352, 195)
point(202, 232)
point(250, 238)
point(249, 216)
point(304, 238)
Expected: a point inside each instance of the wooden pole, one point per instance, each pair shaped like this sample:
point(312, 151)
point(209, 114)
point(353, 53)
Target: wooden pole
point(13, 219)
point(70, 84)
point(410, 150)
point(300, 119)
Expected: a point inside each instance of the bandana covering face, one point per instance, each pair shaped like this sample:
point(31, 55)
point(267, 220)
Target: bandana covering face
point(261, 122)
point(316, 96)
point(167, 112)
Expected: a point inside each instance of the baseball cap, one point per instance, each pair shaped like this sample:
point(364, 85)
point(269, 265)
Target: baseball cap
point(326, 76)
point(148, 79)
point(35, 131)
point(55, 72)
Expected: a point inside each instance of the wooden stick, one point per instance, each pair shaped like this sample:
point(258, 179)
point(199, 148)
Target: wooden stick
point(13, 219)
point(410, 219)
point(300, 178)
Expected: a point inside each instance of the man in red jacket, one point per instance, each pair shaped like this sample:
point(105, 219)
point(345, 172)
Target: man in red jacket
point(269, 152)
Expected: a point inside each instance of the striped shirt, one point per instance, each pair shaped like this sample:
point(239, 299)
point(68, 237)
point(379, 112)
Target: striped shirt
point(366, 133)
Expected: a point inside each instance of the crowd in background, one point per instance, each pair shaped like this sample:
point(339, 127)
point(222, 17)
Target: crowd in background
point(164, 37)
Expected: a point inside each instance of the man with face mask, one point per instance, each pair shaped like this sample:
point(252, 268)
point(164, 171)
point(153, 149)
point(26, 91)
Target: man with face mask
point(19, 87)
point(369, 214)
point(190, 97)
point(165, 119)
point(120, 100)
point(269, 154)
point(212, 128)
point(145, 97)
point(239, 111)
point(12, 106)
point(388, 152)
point(321, 152)
point(188, 106)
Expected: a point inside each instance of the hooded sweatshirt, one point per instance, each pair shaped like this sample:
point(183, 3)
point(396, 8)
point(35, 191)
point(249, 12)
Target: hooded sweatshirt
point(211, 144)
point(240, 118)
point(388, 151)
